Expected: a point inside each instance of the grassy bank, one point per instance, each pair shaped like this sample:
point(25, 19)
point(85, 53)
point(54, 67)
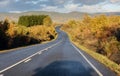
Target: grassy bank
point(104, 60)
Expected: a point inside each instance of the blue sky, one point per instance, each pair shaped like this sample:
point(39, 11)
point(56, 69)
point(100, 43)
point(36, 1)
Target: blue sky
point(64, 6)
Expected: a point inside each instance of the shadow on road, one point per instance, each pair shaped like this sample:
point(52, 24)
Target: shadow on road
point(64, 68)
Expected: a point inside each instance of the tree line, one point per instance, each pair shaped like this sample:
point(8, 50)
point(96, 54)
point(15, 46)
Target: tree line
point(25, 33)
point(31, 20)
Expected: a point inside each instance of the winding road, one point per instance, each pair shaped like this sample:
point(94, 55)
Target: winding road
point(56, 58)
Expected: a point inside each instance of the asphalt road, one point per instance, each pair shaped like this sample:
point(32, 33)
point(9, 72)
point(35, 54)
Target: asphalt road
point(57, 58)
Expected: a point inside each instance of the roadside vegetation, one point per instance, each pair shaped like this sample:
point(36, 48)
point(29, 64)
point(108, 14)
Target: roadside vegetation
point(99, 36)
point(21, 34)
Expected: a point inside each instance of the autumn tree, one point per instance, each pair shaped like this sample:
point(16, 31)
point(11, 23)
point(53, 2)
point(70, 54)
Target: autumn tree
point(3, 37)
point(100, 33)
point(47, 21)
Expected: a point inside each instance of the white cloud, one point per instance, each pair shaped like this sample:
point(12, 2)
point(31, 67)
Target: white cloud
point(15, 12)
point(103, 7)
point(49, 8)
point(43, 5)
point(34, 1)
point(16, 0)
point(31, 2)
point(90, 9)
point(71, 7)
point(111, 7)
point(60, 5)
point(61, 1)
point(84, 8)
point(114, 1)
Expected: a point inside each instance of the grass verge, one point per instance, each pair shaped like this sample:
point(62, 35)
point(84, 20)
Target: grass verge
point(104, 60)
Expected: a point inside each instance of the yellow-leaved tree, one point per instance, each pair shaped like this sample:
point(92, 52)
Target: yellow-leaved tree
point(47, 21)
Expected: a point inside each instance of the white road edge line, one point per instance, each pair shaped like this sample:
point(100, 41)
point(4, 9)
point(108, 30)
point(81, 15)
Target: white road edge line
point(27, 60)
point(98, 72)
point(1, 71)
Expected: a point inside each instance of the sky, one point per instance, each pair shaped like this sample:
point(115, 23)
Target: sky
point(63, 6)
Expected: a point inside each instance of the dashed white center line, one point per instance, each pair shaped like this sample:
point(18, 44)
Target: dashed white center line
point(28, 58)
point(46, 49)
point(1, 75)
point(40, 52)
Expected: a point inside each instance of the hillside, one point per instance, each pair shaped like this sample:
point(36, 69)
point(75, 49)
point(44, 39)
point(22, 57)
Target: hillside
point(57, 17)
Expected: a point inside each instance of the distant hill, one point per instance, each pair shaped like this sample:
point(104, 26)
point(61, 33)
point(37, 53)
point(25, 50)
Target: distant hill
point(110, 13)
point(57, 17)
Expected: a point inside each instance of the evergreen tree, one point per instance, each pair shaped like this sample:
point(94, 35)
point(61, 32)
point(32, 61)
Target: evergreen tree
point(34, 20)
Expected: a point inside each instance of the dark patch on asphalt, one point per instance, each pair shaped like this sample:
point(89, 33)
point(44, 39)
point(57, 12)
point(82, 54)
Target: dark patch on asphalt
point(64, 68)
